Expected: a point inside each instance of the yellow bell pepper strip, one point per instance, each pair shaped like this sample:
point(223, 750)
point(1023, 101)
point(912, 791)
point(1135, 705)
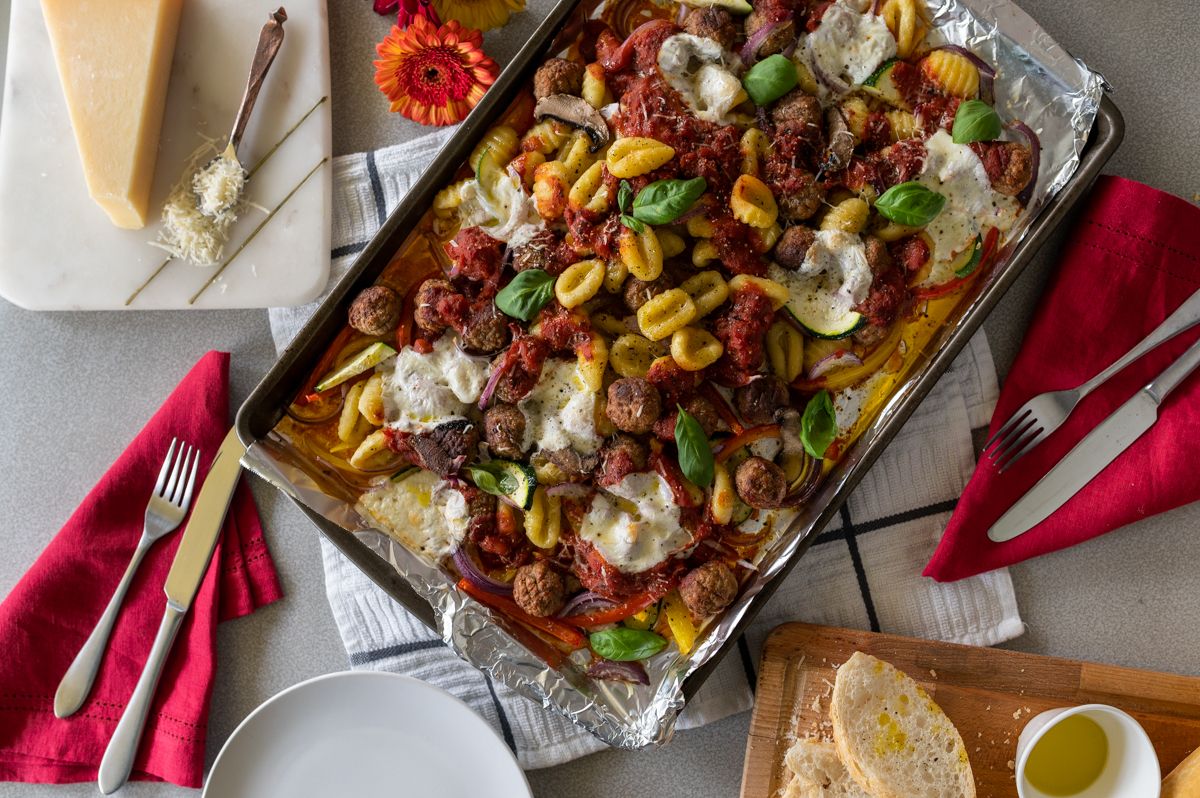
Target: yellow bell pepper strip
point(679, 619)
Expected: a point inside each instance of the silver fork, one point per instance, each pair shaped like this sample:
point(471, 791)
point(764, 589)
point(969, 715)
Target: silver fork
point(166, 509)
point(1046, 412)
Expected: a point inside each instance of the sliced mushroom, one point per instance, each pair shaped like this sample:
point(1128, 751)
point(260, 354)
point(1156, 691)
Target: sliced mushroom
point(574, 111)
point(841, 142)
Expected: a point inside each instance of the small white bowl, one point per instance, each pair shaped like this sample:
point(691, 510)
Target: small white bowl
point(1130, 770)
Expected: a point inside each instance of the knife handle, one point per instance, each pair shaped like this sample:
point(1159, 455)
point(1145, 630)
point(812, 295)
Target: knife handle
point(117, 763)
point(1174, 374)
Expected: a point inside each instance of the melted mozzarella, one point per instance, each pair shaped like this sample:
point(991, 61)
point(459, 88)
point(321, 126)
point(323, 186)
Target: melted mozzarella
point(698, 68)
point(640, 528)
point(560, 411)
point(955, 172)
point(423, 512)
point(835, 273)
point(511, 216)
point(849, 44)
point(423, 391)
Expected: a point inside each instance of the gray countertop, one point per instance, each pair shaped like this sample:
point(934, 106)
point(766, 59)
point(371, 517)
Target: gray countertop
point(80, 386)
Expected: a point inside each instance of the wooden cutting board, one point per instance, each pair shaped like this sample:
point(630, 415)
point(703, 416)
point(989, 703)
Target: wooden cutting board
point(58, 250)
point(989, 693)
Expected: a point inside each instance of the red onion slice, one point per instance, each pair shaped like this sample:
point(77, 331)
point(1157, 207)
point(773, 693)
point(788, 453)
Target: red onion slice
point(490, 387)
point(583, 603)
point(750, 48)
point(611, 671)
point(471, 572)
point(574, 490)
point(1035, 152)
point(835, 84)
point(983, 66)
point(839, 359)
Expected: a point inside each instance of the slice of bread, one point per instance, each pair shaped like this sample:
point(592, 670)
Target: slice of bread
point(818, 772)
point(894, 740)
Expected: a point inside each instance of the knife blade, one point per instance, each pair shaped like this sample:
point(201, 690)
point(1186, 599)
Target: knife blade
point(183, 581)
point(1095, 452)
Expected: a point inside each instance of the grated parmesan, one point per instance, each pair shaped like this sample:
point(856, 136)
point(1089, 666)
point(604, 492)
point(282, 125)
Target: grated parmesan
point(202, 207)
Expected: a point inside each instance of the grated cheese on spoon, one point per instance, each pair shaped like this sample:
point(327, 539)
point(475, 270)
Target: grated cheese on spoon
point(202, 206)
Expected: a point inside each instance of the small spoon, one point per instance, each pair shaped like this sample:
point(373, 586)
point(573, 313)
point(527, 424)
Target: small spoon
point(211, 199)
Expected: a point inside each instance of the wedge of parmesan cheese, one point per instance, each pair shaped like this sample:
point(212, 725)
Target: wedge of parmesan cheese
point(114, 61)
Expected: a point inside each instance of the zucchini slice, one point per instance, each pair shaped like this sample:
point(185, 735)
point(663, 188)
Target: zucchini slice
point(489, 174)
point(516, 480)
point(880, 84)
point(969, 260)
point(820, 315)
point(368, 358)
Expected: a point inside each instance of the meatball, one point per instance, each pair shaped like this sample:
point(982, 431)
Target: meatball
point(760, 483)
point(639, 292)
point(758, 399)
point(708, 589)
point(485, 330)
point(713, 23)
point(538, 589)
point(698, 408)
point(619, 457)
point(799, 110)
point(558, 76)
point(427, 311)
point(783, 34)
point(573, 465)
point(878, 257)
point(792, 247)
point(1008, 164)
point(375, 311)
point(504, 430)
point(537, 254)
point(633, 405)
point(805, 200)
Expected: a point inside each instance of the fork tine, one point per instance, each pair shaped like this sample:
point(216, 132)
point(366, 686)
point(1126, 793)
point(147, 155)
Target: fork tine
point(1006, 427)
point(1037, 438)
point(175, 469)
point(166, 466)
point(1014, 435)
point(186, 500)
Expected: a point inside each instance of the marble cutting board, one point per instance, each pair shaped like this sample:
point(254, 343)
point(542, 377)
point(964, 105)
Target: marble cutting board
point(58, 251)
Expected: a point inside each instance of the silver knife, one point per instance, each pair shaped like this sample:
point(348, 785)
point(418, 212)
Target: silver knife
point(1093, 454)
point(183, 580)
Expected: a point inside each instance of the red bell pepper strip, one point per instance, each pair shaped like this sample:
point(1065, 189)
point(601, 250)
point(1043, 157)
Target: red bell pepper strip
point(509, 607)
point(985, 260)
point(674, 478)
point(628, 608)
point(745, 438)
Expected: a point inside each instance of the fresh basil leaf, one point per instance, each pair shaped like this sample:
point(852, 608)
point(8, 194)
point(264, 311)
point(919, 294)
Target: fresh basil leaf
point(622, 644)
point(664, 201)
point(695, 453)
point(972, 264)
point(528, 292)
point(633, 224)
point(624, 195)
point(910, 204)
point(492, 478)
point(770, 79)
point(818, 427)
point(975, 120)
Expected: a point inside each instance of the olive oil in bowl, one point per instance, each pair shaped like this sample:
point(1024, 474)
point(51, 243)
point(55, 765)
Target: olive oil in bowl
point(1069, 757)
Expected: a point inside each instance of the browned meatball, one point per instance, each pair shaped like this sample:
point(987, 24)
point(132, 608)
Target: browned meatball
point(792, 247)
point(713, 23)
point(375, 311)
point(639, 292)
point(799, 110)
point(633, 405)
point(708, 589)
point(537, 254)
point(1009, 165)
point(425, 311)
point(783, 34)
point(878, 257)
point(698, 408)
point(485, 331)
point(558, 76)
point(504, 429)
point(758, 399)
point(760, 483)
point(539, 589)
point(573, 465)
point(804, 201)
point(619, 457)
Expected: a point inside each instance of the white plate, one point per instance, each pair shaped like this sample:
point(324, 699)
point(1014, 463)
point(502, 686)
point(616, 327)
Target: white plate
point(58, 250)
point(364, 734)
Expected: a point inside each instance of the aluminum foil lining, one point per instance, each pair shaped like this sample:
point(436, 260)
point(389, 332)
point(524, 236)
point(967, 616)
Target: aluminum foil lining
point(1037, 82)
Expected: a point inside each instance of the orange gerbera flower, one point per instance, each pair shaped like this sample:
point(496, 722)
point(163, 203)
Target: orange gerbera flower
point(434, 75)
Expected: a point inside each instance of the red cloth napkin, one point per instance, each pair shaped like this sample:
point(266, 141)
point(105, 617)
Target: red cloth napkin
point(1132, 259)
point(48, 615)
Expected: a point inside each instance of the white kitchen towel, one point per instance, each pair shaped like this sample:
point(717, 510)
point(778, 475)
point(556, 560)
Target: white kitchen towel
point(863, 573)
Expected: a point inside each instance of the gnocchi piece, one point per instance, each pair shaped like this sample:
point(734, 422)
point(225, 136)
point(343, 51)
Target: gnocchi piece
point(501, 141)
point(856, 113)
point(579, 282)
point(632, 354)
point(369, 450)
point(545, 137)
point(704, 252)
point(672, 243)
point(723, 498)
point(754, 146)
point(752, 202)
point(641, 253)
point(348, 421)
point(595, 88)
point(902, 125)
point(708, 291)
point(591, 364)
point(891, 231)
point(543, 519)
point(849, 216)
point(908, 20)
point(665, 313)
point(615, 272)
point(767, 237)
point(550, 189)
point(694, 348)
point(700, 227)
point(636, 155)
point(609, 324)
point(785, 350)
point(952, 71)
point(576, 156)
point(370, 403)
point(776, 292)
point(589, 192)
